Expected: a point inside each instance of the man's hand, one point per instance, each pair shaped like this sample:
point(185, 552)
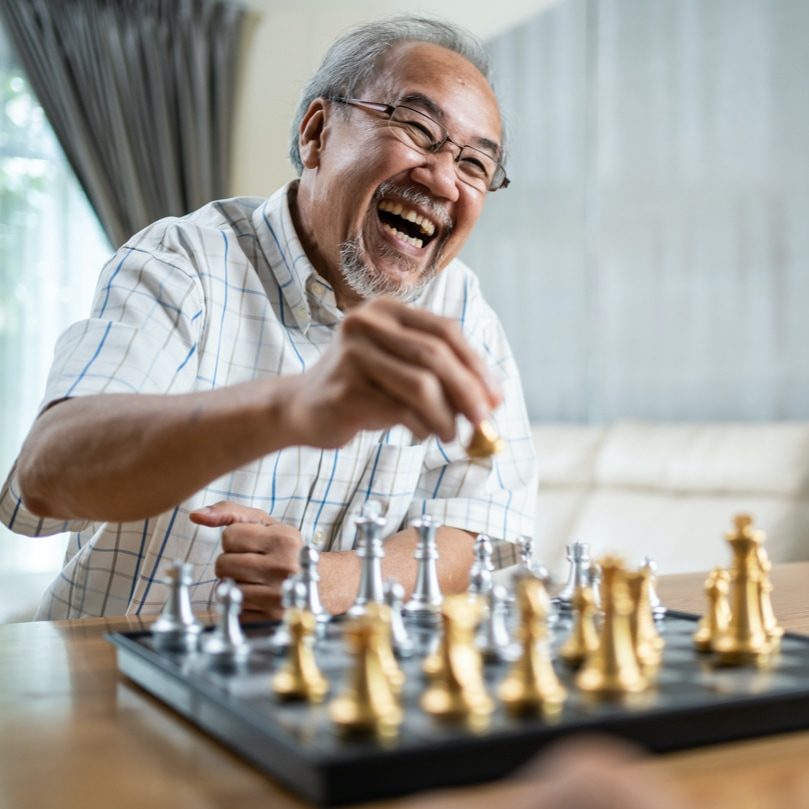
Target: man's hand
point(259, 552)
point(390, 364)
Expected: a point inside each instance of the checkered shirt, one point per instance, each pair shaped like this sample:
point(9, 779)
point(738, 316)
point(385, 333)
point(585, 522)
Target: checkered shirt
point(226, 295)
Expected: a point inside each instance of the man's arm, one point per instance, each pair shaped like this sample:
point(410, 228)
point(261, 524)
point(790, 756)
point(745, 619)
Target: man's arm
point(120, 457)
point(259, 552)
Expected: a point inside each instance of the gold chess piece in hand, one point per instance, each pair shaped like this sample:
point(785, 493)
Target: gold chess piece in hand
point(485, 441)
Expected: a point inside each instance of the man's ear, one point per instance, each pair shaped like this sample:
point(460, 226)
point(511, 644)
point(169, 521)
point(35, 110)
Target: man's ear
point(310, 134)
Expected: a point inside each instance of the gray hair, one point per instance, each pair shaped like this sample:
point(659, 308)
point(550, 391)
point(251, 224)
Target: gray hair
point(350, 63)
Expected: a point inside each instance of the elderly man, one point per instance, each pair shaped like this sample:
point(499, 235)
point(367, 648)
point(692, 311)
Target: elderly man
point(254, 372)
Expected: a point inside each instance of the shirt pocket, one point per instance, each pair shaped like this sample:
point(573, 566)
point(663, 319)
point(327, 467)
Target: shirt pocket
point(390, 477)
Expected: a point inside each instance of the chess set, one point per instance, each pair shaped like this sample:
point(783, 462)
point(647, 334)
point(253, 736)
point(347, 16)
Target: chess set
point(441, 690)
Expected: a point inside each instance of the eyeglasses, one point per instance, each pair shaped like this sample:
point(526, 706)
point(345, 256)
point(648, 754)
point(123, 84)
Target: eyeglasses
point(419, 131)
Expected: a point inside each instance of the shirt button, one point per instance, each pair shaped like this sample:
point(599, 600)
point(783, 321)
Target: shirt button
point(318, 539)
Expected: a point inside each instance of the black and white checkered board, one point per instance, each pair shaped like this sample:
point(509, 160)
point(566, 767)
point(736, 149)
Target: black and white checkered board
point(692, 704)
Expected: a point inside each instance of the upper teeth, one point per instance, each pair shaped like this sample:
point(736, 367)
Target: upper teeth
point(398, 209)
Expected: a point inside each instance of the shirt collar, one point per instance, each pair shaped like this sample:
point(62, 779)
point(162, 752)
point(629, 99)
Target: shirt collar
point(305, 294)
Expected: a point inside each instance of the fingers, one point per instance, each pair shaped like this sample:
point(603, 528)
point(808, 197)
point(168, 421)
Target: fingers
point(429, 351)
point(277, 540)
point(225, 513)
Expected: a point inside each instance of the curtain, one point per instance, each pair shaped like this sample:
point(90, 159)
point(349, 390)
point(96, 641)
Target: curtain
point(140, 95)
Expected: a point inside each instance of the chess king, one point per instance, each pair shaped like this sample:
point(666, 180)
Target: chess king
point(252, 373)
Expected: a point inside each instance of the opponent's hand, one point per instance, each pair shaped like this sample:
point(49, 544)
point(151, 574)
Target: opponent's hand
point(259, 552)
point(390, 364)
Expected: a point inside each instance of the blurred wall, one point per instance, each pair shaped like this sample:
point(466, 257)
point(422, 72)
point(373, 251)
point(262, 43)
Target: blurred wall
point(651, 258)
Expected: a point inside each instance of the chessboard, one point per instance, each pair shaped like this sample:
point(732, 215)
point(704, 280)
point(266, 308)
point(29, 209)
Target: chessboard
point(690, 703)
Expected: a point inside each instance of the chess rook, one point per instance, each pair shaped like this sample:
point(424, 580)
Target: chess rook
point(177, 628)
point(227, 647)
point(424, 605)
point(310, 594)
point(370, 551)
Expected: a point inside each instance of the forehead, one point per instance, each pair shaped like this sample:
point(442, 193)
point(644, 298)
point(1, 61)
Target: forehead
point(454, 85)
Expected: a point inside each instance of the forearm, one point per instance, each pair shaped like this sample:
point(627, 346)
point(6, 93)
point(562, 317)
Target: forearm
point(340, 572)
point(121, 457)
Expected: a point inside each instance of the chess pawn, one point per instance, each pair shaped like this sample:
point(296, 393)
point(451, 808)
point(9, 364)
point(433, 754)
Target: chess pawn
point(309, 578)
point(532, 684)
point(227, 647)
point(493, 638)
point(658, 609)
point(525, 549)
point(583, 638)
point(594, 582)
point(480, 574)
point(368, 704)
point(177, 629)
point(744, 640)
point(645, 637)
point(370, 552)
point(299, 678)
point(484, 441)
point(457, 690)
point(424, 606)
point(612, 670)
point(717, 617)
point(394, 597)
point(292, 595)
point(578, 555)
point(770, 623)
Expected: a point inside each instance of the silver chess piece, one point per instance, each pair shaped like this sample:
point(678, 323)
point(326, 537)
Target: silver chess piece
point(310, 593)
point(400, 640)
point(480, 574)
point(370, 551)
point(578, 555)
point(494, 640)
point(227, 647)
point(177, 628)
point(424, 605)
point(594, 582)
point(292, 595)
point(658, 608)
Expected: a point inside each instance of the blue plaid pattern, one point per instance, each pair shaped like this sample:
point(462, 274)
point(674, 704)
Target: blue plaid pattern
point(223, 296)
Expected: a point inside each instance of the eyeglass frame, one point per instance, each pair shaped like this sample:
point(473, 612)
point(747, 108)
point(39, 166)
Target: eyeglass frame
point(437, 146)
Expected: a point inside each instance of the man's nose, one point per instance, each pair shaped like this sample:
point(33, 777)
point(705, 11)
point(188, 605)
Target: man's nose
point(437, 172)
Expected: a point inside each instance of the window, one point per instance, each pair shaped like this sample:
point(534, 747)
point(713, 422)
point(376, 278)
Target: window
point(51, 251)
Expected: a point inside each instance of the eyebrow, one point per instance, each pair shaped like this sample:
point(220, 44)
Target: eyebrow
point(421, 100)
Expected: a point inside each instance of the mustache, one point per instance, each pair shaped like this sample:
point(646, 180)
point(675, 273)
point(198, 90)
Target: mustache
point(415, 196)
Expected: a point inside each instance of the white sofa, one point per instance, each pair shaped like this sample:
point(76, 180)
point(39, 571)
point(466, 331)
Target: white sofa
point(670, 490)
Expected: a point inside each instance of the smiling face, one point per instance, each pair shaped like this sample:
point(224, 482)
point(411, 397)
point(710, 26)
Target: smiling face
point(376, 215)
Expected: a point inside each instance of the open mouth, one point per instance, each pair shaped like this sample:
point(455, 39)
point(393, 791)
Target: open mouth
point(406, 223)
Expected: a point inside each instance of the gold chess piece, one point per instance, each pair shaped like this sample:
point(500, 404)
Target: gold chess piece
point(299, 677)
point(368, 704)
point(532, 684)
point(771, 628)
point(485, 441)
point(383, 645)
point(583, 639)
point(457, 689)
point(645, 637)
point(715, 621)
point(612, 670)
point(744, 640)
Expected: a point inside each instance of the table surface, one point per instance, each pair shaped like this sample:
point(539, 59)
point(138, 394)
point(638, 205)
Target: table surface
point(74, 733)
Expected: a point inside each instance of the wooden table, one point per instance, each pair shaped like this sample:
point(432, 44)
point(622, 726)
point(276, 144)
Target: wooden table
point(73, 733)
